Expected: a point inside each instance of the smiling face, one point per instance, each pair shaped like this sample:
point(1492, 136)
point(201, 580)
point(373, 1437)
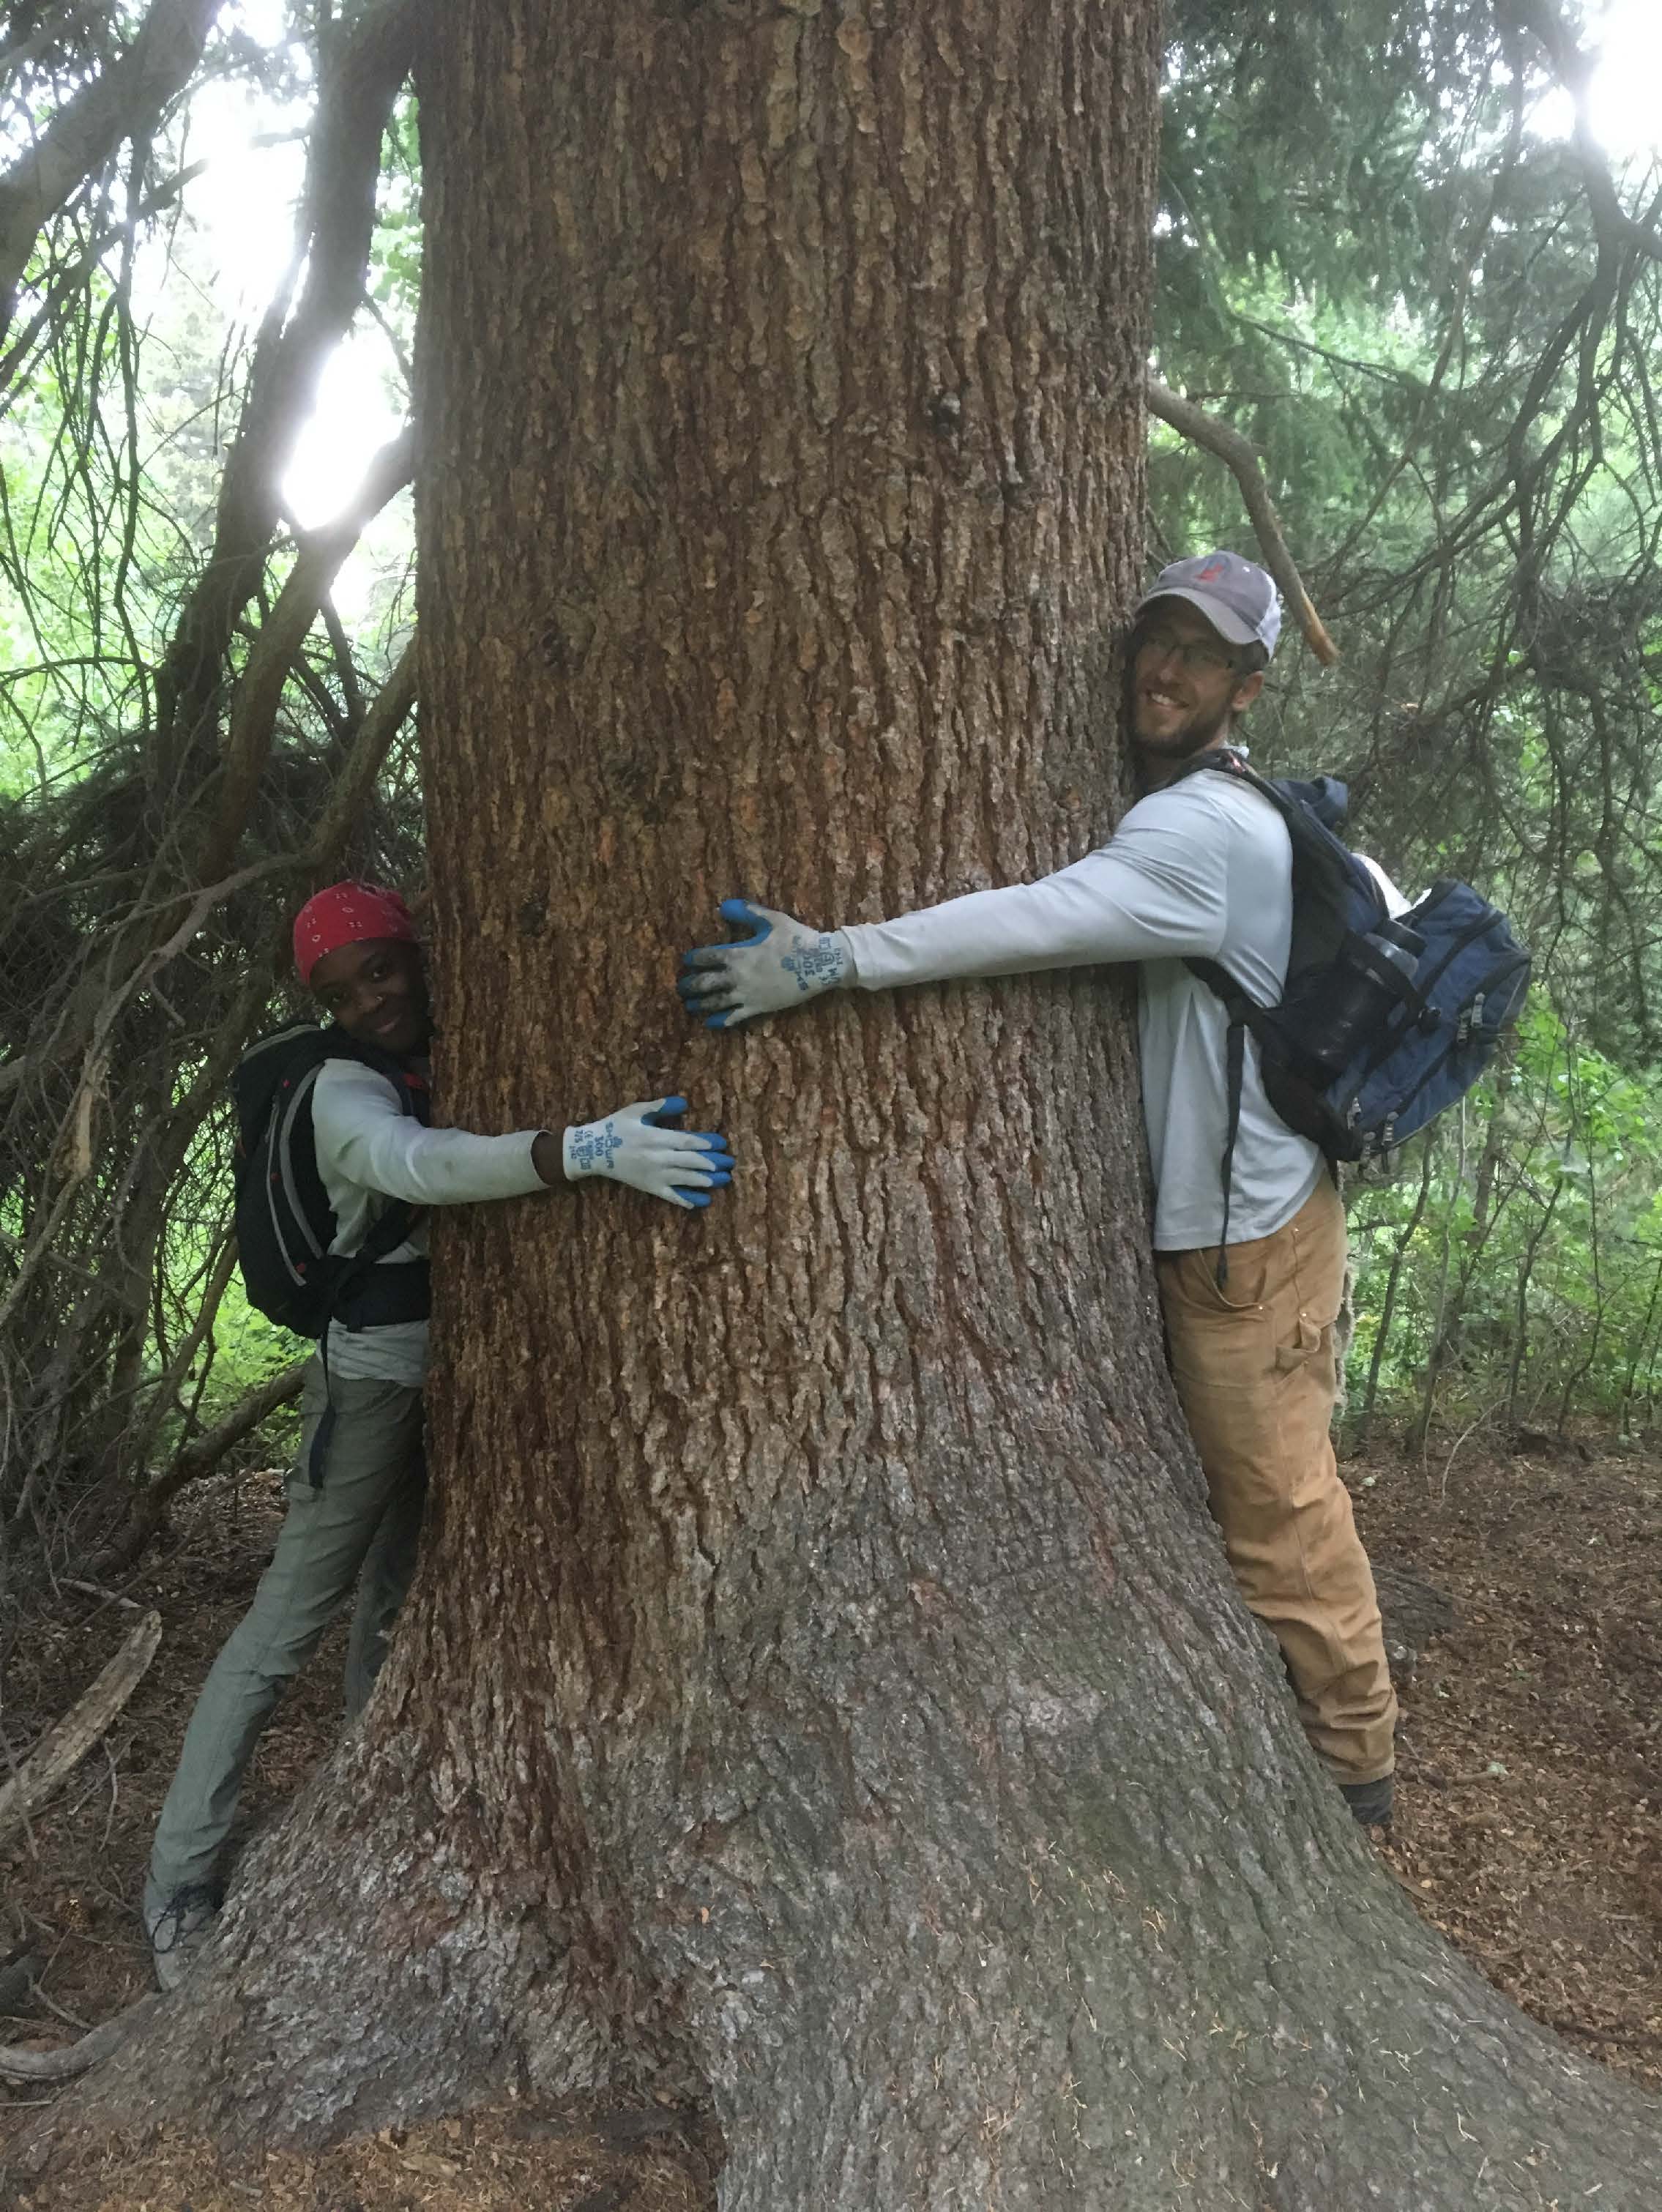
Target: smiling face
point(1187, 682)
point(377, 991)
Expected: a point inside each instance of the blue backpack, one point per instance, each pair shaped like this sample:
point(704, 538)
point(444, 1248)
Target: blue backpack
point(1381, 1023)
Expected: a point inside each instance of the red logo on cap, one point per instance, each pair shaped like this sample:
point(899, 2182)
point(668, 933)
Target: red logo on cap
point(1211, 573)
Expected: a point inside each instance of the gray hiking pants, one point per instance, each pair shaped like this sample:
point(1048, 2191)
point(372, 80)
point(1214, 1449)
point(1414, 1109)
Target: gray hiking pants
point(361, 1525)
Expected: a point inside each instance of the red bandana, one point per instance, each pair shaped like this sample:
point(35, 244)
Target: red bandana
point(346, 914)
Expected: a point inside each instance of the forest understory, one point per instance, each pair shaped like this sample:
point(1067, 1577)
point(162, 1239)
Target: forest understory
point(1527, 1827)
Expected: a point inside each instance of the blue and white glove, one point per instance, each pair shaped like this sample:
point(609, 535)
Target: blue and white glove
point(782, 965)
point(682, 1166)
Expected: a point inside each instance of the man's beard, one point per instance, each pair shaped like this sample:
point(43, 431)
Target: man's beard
point(1194, 736)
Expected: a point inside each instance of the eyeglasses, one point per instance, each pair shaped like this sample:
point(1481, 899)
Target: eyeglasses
point(1194, 653)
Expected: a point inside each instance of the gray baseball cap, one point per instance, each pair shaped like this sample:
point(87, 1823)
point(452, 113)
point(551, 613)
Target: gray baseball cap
point(1237, 597)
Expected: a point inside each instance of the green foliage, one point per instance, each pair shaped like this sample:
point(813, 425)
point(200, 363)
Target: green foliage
point(395, 254)
point(1528, 1272)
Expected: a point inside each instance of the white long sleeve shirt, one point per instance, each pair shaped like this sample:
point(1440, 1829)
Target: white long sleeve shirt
point(369, 1151)
point(1202, 869)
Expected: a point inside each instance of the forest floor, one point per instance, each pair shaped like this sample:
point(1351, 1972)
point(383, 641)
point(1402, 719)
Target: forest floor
point(1529, 1824)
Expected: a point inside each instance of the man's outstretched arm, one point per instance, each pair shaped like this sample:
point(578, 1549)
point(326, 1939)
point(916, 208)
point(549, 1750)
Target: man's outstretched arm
point(1158, 891)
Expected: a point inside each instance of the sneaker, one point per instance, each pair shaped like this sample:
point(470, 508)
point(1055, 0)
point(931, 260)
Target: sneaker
point(177, 1929)
point(1370, 1802)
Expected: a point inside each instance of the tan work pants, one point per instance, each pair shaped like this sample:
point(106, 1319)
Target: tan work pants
point(1255, 1366)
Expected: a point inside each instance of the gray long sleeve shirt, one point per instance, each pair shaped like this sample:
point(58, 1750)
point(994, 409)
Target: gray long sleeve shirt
point(1202, 869)
point(369, 1150)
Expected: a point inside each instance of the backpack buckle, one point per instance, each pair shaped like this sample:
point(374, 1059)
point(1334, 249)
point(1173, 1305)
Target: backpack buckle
point(1471, 1019)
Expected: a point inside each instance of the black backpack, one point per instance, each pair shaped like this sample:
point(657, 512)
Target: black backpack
point(1382, 1023)
point(285, 1223)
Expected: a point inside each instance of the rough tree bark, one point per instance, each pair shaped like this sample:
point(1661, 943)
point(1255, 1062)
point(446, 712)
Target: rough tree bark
point(823, 1694)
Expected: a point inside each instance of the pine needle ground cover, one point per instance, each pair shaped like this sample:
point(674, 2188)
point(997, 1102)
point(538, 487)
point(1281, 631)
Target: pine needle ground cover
point(1527, 1824)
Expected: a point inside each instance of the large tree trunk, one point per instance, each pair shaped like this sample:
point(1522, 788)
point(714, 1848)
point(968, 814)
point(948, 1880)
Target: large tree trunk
point(824, 1694)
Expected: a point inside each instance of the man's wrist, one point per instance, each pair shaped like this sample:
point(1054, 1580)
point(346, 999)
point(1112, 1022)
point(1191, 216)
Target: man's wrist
point(849, 970)
point(546, 1157)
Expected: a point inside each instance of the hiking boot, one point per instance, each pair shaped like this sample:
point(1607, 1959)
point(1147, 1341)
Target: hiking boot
point(1370, 1802)
point(177, 1929)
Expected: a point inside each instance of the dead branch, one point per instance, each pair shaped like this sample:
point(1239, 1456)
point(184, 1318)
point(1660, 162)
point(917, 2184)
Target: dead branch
point(97, 1056)
point(355, 97)
point(281, 636)
point(122, 102)
point(68, 279)
point(356, 778)
point(184, 1351)
point(1201, 429)
point(197, 1460)
point(204, 1454)
point(365, 71)
point(104, 1596)
point(64, 1747)
point(19, 2065)
point(1574, 67)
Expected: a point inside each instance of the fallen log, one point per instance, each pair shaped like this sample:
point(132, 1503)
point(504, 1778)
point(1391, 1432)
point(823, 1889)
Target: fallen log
point(62, 1749)
point(196, 1459)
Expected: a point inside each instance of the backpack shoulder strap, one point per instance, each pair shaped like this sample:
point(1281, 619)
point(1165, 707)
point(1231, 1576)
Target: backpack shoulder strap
point(281, 1056)
point(1242, 1013)
point(1224, 761)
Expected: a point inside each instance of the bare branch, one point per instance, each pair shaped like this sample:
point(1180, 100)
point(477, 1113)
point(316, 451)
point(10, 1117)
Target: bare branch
point(355, 98)
point(124, 102)
point(281, 637)
point(64, 1747)
point(67, 279)
point(1574, 67)
point(204, 1456)
point(356, 779)
point(18, 2065)
point(197, 1460)
point(1201, 429)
